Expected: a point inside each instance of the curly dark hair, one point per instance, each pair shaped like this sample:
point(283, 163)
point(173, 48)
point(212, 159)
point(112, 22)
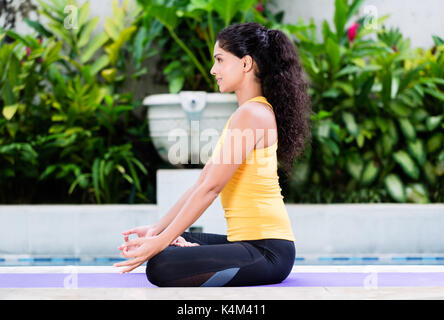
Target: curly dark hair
point(283, 81)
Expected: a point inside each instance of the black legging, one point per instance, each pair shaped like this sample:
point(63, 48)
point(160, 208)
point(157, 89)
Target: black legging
point(217, 262)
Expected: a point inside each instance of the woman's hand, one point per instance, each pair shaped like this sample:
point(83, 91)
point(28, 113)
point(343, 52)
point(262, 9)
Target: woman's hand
point(142, 231)
point(140, 250)
point(181, 242)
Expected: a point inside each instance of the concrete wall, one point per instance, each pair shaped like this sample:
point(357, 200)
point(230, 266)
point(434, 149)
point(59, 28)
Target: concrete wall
point(95, 230)
point(319, 229)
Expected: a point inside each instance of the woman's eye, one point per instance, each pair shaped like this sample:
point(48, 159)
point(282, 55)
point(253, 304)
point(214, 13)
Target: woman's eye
point(219, 59)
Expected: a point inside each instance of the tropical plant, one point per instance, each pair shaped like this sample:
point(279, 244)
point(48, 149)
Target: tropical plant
point(63, 117)
point(378, 127)
point(186, 30)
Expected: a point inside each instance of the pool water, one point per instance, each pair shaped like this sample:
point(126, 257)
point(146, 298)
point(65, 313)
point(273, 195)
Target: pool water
point(300, 260)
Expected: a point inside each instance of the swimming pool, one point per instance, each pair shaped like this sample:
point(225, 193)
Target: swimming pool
point(382, 259)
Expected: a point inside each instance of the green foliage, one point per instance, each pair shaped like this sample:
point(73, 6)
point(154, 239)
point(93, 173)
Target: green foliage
point(378, 128)
point(186, 31)
point(379, 104)
point(63, 117)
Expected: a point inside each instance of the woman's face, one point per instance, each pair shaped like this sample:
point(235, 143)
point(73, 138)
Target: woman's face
point(227, 68)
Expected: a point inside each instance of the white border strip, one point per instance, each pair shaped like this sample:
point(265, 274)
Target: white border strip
point(298, 268)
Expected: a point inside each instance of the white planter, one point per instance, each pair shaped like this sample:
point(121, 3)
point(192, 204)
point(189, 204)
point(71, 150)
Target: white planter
point(185, 127)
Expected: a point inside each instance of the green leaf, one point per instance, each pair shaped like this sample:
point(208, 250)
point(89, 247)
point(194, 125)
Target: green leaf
point(227, 9)
point(340, 17)
point(435, 142)
point(114, 49)
point(407, 128)
point(99, 64)
point(112, 29)
point(9, 111)
point(350, 123)
point(50, 169)
point(430, 173)
point(395, 87)
point(37, 26)
point(86, 32)
point(354, 166)
point(109, 74)
point(327, 33)
point(52, 52)
point(81, 180)
point(96, 43)
point(417, 150)
point(353, 8)
point(332, 145)
point(407, 164)
point(387, 145)
point(392, 131)
point(395, 187)
point(176, 84)
point(399, 109)
point(333, 53)
point(417, 193)
point(419, 115)
point(25, 40)
point(435, 93)
point(95, 176)
point(370, 173)
point(433, 122)
point(166, 15)
point(438, 41)
point(83, 14)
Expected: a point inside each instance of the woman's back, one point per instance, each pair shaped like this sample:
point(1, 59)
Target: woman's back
point(252, 199)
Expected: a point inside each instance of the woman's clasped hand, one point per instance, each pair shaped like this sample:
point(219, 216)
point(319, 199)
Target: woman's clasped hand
point(147, 245)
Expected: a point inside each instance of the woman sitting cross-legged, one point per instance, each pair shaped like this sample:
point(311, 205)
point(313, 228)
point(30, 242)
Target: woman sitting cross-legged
point(262, 67)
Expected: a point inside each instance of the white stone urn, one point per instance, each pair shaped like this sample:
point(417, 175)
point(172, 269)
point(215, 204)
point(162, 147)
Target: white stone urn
point(185, 127)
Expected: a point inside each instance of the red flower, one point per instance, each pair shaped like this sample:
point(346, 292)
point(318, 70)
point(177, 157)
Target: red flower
point(260, 8)
point(28, 51)
point(352, 32)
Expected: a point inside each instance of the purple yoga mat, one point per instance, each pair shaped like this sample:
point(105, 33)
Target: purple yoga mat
point(296, 279)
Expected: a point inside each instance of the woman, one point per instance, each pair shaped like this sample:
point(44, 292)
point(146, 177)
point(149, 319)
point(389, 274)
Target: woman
point(262, 67)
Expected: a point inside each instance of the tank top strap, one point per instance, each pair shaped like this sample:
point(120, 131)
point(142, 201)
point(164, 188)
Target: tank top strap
point(261, 99)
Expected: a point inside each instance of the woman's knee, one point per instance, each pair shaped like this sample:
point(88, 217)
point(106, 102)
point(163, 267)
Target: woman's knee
point(155, 269)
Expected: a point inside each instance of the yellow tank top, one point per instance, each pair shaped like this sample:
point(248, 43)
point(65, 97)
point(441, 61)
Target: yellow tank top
point(252, 201)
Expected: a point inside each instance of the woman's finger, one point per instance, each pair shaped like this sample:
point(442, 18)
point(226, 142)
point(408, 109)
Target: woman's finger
point(132, 262)
point(127, 233)
point(131, 268)
point(125, 263)
point(133, 243)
